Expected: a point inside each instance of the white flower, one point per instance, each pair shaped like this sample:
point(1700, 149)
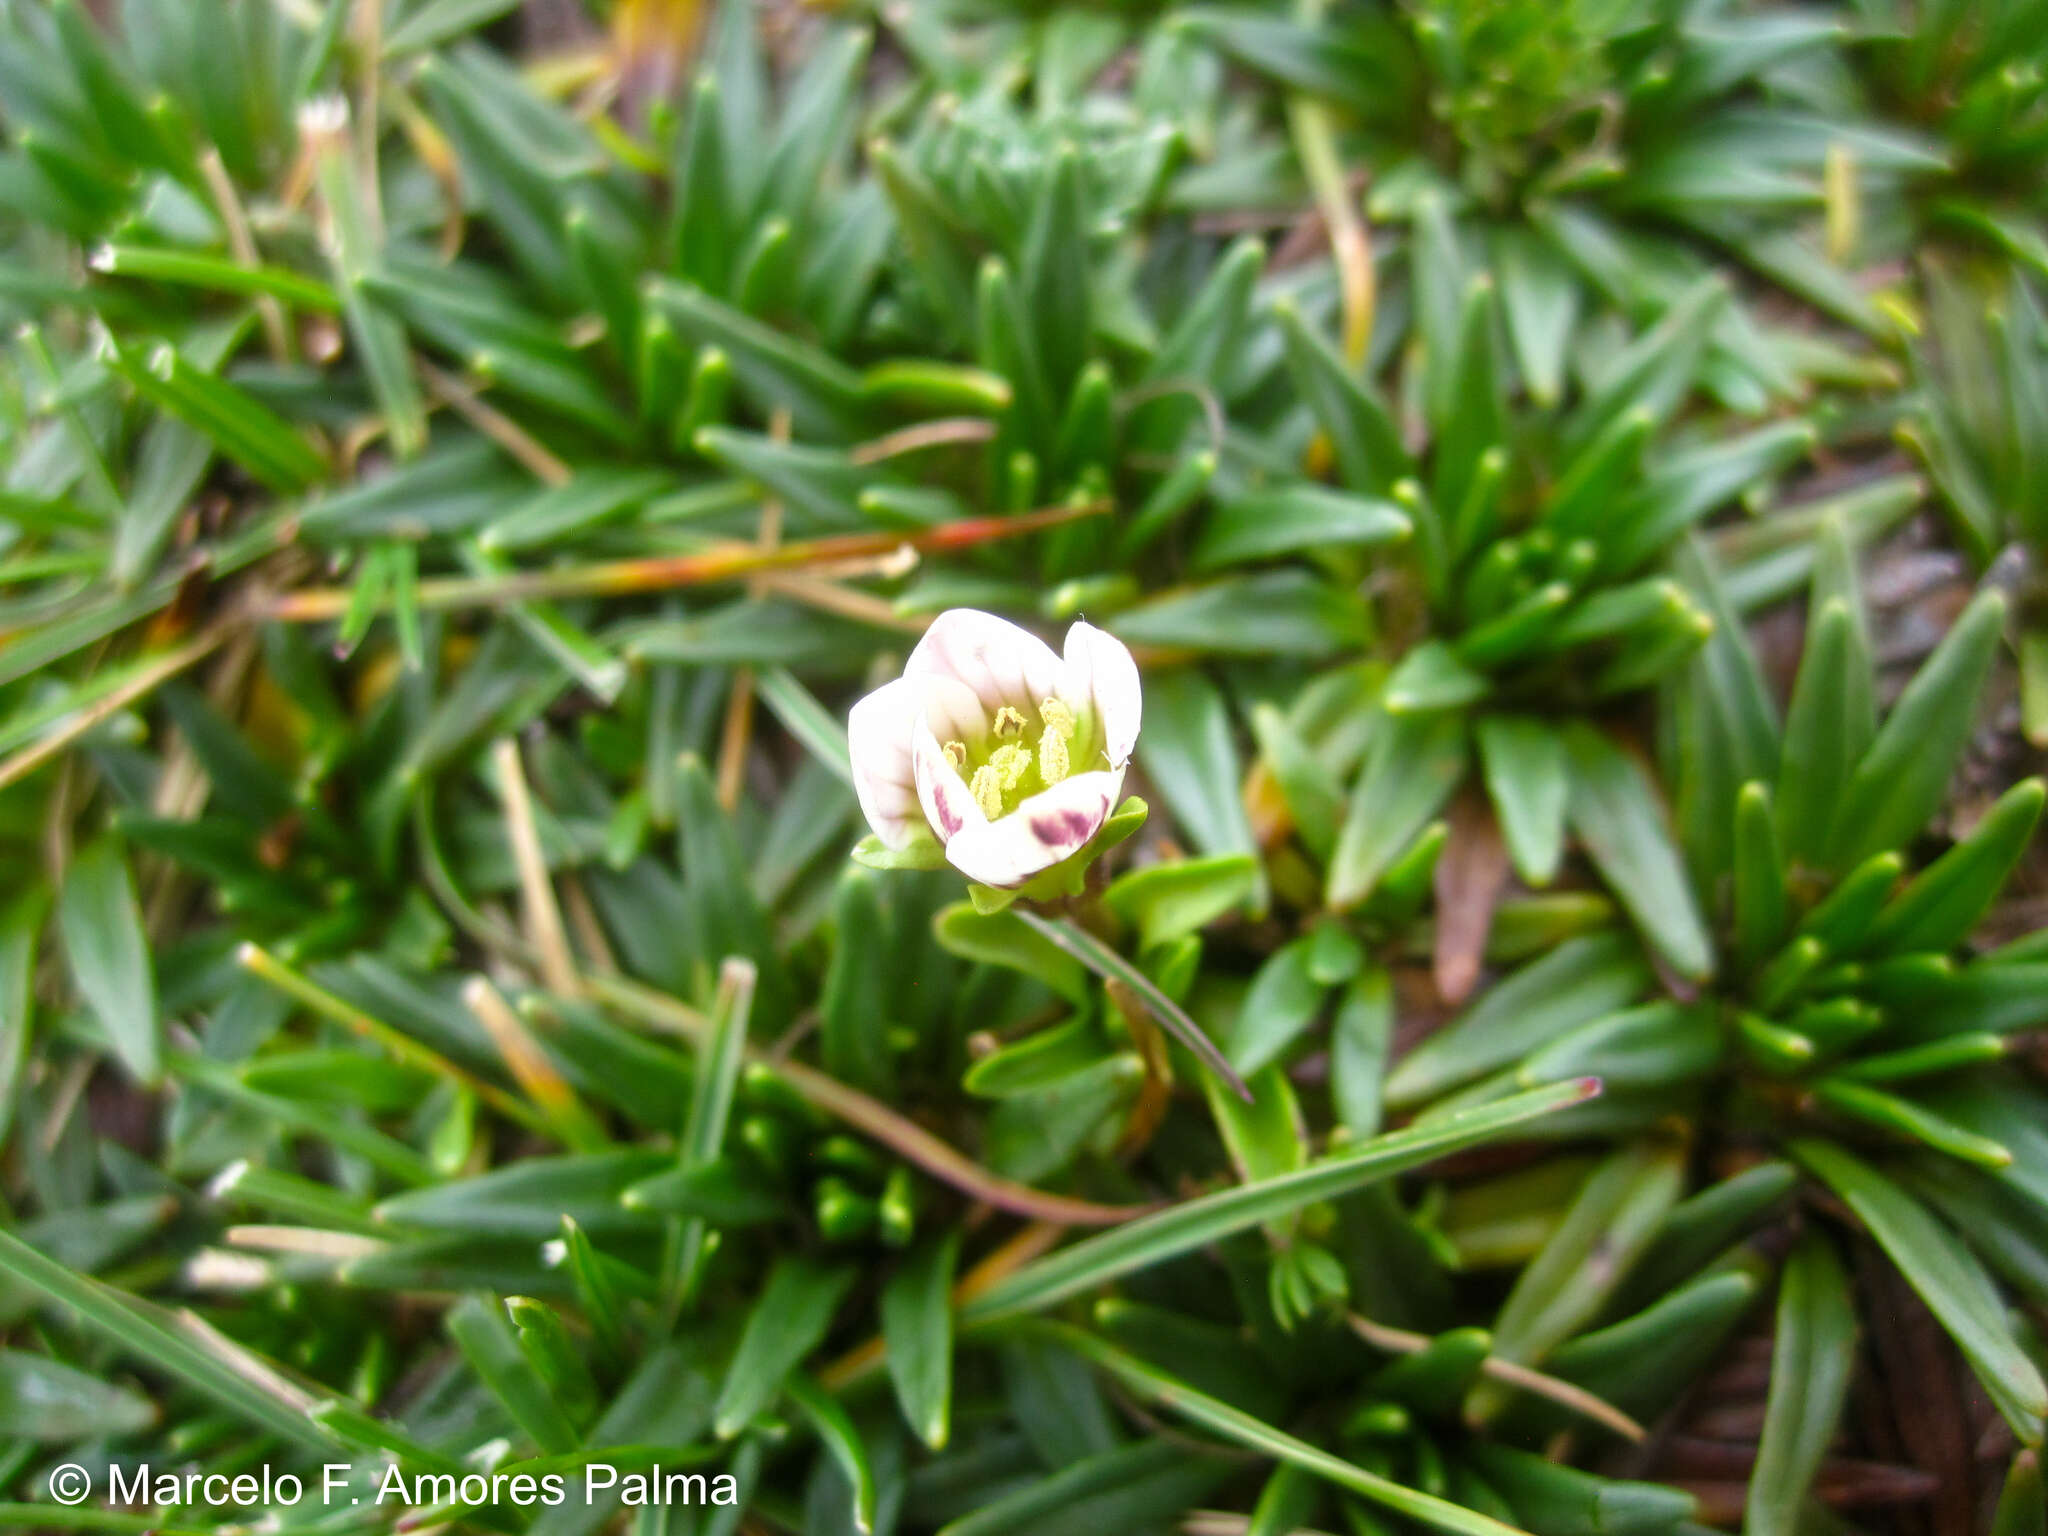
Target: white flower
point(1009, 755)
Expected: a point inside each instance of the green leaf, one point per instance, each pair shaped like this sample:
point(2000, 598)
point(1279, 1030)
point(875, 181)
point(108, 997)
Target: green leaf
point(1005, 939)
point(1442, 296)
point(215, 274)
point(1281, 612)
point(1580, 980)
point(1431, 677)
point(1313, 793)
point(101, 923)
point(1284, 1000)
point(1195, 1223)
point(1476, 425)
point(1234, 1424)
point(817, 118)
point(822, 732)
point(788, 1321)
point(489, 1345)
point(821, 488)
point(352, 241)
point(917, 1329)
point(1189, 750)
point(1842, 920)
point(1130, 1488)
point(1540, 297)
point(1812, 1355)
point(1291, 519)
point(1053, 278)
point(438, 21)
point(178, 1344)
point(1529, 782)
point(44, 1399)
point(1759, 899)
point(1105, 962)
point(923, 852)
point(842, 1441)
point(1899, 781)
point(701, 236)
point(169, 465)
point(1361, 1034)
point(1654, 372)
point(1042, 1060)
point(20, 923)
point(726, 1192)
point(2022, 1511)
point(1603, 1233)
point(1168, 901)
point(1589, 485)
point(1517, 630)
point(1364, 435)
point(528, 1198)
point(596, 496)
point(1435, 1379)
point(726, 920)
point(1947, 1277)
point(1828, 726)
point(1168, 502)
point(1286, 1504)
point(1614, 808)
point(243, 428)
point(1702, 1226)
point(1685, 485)
point(855, 1009)
point(1264, 1136)
point(1939, 907)
point(1903, 1118)
point(1653, 1046)
point(1561, 1501)
point(1412, 768)
point(823, 395)
point(1641, 1363)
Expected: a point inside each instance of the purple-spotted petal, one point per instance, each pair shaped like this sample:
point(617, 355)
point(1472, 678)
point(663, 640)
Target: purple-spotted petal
point(1046, 828)
point(947, 802)
point(1001, 662)
point(1100, 669)
point(878, 737)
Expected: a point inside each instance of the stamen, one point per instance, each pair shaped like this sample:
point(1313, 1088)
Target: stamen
point(956, 754)
point(987, 791)
point(1011, 763)
point(1009, 721)
point(1052, 757)
point(1058, 718)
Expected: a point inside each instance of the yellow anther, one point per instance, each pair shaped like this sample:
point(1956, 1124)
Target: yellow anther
point(1011, 763)
point(1009, 721)
point(987, 791)
point(956, 754)
point(1052, 757)
point(1058, 718)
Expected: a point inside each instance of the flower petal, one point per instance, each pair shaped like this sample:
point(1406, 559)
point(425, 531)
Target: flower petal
point(1100, 669)
point(1002, 662)
point(1038, 834)
point(947, 802)
point(878, 738)
point(951, 708)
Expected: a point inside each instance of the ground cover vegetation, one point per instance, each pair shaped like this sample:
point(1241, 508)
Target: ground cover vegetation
point(1490, 988)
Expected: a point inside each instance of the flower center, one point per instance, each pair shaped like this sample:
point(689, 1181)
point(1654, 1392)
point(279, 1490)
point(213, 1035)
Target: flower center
point(1018, 758)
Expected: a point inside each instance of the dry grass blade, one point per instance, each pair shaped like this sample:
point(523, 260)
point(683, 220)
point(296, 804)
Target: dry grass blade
point(665, 573)
point(1399, 1341)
